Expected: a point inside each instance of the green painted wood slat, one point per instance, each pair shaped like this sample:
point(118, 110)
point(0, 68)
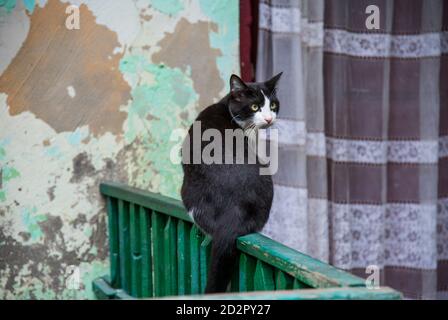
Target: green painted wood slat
point(344, 293)
point(145, 243)
point(246, 272)
point(282, 280)
point(204, 257)
point(195, 239)
point(312, 272)
point(157, 225)
point(103, 289)
point(299, 285)
point(154, 201)
point(183, 257)
point(170, 257)
point(112, 213)
point(264, 277)
point(124, 244)
point(136, 263)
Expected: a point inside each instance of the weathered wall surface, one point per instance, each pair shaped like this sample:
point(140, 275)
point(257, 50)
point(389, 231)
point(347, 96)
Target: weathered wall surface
point(81, 106)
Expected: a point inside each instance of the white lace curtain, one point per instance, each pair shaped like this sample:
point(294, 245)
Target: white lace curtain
point(290, 40)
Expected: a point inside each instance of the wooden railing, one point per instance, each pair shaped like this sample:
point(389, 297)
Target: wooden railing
point(156, 251)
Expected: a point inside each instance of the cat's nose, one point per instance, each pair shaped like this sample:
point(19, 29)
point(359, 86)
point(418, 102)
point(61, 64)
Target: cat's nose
point(268, 119)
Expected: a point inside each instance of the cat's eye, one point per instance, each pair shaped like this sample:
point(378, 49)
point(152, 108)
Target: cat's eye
point(273, 106)
point(254, 107)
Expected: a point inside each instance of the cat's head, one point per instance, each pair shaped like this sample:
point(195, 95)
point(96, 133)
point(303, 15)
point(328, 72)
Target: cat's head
point(253, 104)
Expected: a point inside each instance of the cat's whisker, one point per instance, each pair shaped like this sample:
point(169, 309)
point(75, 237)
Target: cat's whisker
point(251, 132)
point(248, 129)
point(235, 118)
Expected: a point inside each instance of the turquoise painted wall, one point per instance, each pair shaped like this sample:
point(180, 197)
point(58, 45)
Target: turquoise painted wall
point(99, 103)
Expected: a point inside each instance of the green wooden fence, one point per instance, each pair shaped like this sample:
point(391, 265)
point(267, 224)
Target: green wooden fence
point(156, 251)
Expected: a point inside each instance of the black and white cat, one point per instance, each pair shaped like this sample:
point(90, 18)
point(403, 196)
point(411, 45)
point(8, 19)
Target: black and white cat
point(230, 200)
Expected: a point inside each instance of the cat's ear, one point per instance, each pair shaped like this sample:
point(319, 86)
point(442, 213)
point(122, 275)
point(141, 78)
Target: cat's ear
point(272, 83)
point(236, 84)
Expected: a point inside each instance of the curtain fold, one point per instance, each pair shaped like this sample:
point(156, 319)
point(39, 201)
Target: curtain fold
point(290, 40)
point(363, 125)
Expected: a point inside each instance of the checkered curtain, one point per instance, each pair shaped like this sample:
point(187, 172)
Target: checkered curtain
point(363, 176)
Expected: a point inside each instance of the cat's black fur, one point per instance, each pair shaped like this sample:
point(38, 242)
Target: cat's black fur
point(228, 200)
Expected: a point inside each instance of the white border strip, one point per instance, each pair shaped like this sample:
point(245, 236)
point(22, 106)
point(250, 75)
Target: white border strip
point(293, 132)
point(289, 20)
point(380, 152)
point(277, 19)
point(385, 45)
point(396, 234)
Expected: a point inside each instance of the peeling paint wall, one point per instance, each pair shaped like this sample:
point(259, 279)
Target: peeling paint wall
point(100, 103)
